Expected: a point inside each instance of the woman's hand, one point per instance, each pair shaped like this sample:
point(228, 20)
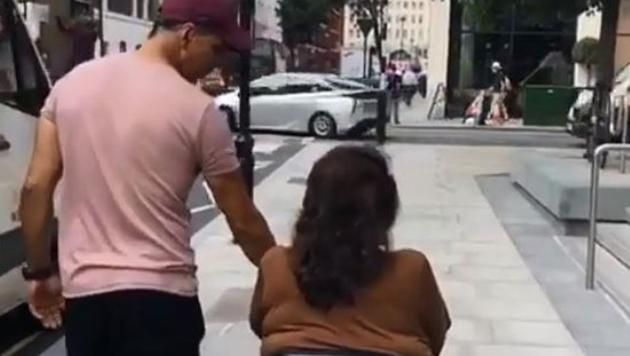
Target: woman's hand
point(46, 302)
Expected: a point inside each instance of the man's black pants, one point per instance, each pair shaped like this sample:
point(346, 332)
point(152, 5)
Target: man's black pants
point(135, 323)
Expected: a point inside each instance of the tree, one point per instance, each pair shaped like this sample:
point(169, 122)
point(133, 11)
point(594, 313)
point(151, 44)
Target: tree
point(586, 53)
point(301, 21)
point(374, 10)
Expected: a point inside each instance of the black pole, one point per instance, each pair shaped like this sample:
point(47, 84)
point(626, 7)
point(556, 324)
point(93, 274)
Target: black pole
point(364, 55)
point(381, 123)
point(244, 140)
point(101, 33)
point(370, 62)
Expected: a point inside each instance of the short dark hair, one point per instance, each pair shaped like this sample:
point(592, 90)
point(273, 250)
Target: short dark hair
point(341, 237)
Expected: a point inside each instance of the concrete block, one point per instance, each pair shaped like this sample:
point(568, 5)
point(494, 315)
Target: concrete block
point(562, 185)
point(628, 215)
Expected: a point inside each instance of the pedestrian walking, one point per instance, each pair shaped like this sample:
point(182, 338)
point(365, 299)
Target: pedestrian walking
point(409, 86)
point(500, 87)
point(394, 92)
point(129, 134)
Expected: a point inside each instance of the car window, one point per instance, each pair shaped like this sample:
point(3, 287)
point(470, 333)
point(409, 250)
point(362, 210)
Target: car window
point(345, 84)
point(270, 85)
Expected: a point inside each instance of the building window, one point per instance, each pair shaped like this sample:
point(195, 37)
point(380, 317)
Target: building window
point(413, 19)
point(122, 47)
point(397, 33)
point(351, 33)
point(140, 9)
point(405, 5)
point(154, 9)
point(413, 5)
point(420, 19)
point(404, 33)
point(421, 5)
point(124, 7)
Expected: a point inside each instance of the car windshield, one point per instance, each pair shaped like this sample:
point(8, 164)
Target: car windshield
point(345, 84)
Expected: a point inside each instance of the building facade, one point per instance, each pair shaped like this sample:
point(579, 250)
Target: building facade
point(407, 28)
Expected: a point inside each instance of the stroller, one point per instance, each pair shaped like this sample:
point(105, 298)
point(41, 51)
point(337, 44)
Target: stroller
point(478, 111)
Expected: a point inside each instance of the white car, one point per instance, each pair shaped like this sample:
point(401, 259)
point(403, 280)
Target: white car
point(319, 104)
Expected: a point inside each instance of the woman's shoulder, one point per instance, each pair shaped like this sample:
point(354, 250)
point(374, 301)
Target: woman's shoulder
point(410, 260)
point(276, 257)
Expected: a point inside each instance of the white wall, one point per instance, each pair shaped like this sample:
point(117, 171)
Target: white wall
point(133, 30)
point(117, 28)
point(439, 42)
point(266, 20)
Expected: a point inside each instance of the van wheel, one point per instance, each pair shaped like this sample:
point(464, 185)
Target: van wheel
point(323, 125)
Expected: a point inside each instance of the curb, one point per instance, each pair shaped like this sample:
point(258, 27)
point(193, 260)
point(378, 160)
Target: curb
point(541, 129)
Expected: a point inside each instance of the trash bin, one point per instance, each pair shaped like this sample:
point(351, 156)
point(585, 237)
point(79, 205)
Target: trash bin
point(547, 105)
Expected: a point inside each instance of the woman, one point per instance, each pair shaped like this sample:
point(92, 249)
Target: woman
point(339, 287)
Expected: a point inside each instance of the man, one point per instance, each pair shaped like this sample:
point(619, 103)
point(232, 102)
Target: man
point(500, 87)
point(394, 89)
point(84, 31)
point(129, 133)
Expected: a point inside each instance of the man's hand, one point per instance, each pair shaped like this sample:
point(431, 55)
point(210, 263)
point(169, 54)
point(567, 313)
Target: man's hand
point(46, 302)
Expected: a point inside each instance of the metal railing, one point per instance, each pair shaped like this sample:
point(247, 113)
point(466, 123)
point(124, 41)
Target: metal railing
point(620, 121)
point(594, 205)
point(624, 137)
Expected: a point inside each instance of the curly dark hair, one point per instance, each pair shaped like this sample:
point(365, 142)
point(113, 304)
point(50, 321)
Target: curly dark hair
point(341, 237)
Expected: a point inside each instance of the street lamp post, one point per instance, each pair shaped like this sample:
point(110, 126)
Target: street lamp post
point(365, 24)
point(244, 141)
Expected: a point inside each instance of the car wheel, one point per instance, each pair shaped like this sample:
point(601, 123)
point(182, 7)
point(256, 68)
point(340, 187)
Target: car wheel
point(323, 125)
point(231, 117)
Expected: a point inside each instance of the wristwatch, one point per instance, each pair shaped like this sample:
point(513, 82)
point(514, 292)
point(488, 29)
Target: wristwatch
point(38, 275)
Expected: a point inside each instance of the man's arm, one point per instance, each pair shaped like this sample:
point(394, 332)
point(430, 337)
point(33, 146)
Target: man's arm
point(248, 225)
point(36, 205)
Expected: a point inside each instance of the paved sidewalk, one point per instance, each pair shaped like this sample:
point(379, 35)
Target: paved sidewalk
point(498, 307)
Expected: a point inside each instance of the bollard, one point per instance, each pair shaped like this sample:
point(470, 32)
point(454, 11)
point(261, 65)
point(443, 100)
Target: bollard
point(381, 120)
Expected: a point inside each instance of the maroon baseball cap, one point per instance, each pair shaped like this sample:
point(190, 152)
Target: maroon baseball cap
point(220, 16)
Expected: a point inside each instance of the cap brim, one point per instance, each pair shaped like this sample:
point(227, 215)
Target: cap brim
point(238, 39)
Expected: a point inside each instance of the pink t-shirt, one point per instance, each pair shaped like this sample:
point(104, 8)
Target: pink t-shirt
point(134, 135)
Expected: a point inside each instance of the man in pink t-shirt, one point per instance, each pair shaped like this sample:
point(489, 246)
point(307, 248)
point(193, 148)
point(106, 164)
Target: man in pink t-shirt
point(126, 136)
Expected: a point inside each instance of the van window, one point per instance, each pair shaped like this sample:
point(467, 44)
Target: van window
point(23, 80)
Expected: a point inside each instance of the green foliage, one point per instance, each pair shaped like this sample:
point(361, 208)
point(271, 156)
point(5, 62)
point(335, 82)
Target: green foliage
point(302, 20)
point(586, 51)
point(484, 12)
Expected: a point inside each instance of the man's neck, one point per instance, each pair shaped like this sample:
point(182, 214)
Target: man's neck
point(157, 50)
